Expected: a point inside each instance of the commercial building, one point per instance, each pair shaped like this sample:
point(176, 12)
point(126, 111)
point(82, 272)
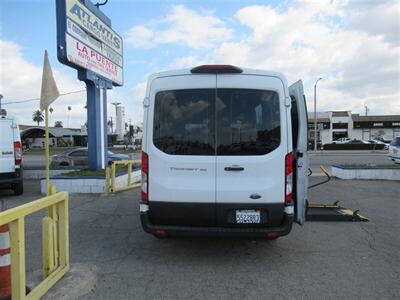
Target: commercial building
point(33, 136)
point(333, 125)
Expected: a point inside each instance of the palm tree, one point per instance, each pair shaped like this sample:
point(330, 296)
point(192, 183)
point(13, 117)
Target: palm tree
point(37, 117)
point(58, 124)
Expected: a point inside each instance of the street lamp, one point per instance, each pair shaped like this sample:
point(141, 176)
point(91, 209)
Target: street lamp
point(68, 110)
point(116, 120)
point(315, 113)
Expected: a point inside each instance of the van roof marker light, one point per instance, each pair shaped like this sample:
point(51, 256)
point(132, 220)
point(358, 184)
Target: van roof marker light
point(216, 69)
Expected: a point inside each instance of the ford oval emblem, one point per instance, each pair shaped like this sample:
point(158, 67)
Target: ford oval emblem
point(255, 196)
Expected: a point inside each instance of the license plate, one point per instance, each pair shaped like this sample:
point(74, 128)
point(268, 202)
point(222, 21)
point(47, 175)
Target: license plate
point(248, 216)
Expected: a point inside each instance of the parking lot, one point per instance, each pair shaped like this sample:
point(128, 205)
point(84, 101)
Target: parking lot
point(112, 258)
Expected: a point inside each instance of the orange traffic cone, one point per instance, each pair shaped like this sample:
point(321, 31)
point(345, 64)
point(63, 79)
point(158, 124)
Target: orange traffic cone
point(5, 263)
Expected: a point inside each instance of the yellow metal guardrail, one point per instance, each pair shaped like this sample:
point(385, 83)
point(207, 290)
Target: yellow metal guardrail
point(55, 243)
point(111, 186)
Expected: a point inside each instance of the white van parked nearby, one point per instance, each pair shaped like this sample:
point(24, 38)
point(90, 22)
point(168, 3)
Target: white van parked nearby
point(10, 154)
point(224, 153)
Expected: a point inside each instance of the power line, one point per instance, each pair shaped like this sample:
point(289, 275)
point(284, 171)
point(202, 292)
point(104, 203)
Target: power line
point(37, 99)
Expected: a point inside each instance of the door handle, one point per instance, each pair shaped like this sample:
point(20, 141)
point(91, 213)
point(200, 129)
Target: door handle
point(234, 168)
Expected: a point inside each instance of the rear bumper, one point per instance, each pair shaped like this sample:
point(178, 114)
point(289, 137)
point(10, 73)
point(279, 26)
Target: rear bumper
point(212, 231)
point(11, 177)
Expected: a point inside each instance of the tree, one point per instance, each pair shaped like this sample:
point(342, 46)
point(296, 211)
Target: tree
point(37, 117)
point(58, 124)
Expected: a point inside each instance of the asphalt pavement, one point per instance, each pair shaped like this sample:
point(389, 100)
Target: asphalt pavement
point(112, 258)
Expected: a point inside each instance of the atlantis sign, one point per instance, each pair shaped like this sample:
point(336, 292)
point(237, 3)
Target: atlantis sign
point(86, 41)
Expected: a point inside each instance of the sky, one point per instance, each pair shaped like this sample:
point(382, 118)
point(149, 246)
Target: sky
point(353, 45)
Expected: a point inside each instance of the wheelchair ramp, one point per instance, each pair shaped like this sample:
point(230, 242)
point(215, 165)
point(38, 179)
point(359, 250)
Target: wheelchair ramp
point(333, 212)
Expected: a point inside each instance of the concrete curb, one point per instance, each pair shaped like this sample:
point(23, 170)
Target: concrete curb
point(87, 185)
point(365, 173)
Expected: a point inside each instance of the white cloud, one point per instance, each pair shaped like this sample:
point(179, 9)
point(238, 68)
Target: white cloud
point(138, 93)
point(21, 80)
point(186, 62)
point(181, 26)
point(140, 36)
point(360, 66)
point(382, 19)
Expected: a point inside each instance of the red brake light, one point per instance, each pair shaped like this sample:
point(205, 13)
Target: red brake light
point(288, 178)
point(145, 177)
point(272, 234)
point(160, 232)
point(17, 153)
point(216, 69)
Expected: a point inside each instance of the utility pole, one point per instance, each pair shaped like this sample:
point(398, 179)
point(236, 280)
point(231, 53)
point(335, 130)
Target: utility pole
point(111, 124)
point(315, 114)
point(116, 105)
point(68, 110)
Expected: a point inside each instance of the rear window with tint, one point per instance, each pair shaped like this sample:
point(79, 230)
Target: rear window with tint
point(216, 122)
point(248, 122)
point(183, 122)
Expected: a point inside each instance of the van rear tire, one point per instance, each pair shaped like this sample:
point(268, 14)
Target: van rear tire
point(18, 189)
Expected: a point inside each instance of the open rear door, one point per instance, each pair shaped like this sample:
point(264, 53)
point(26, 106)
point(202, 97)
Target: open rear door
point(299, 133)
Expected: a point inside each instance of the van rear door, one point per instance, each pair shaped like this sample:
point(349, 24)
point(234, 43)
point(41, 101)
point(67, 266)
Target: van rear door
point(251, 148)
point(7, 160)
point(180, 146)
point(299, 139)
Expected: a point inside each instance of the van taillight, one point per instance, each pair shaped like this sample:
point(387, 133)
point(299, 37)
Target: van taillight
point(17, 153)
point(288, 178)
point(145, 177)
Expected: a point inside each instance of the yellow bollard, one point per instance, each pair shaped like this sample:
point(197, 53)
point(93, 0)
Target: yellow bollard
point(48, 246)
point(112, 177)
point(107, 185)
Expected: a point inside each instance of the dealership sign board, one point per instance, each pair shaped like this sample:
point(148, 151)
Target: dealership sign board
point(86, 40)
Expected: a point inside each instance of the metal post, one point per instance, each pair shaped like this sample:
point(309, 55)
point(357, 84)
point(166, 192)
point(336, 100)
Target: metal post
point(96, 90)
point(315, 114)
point(96, 116)
point(47, 152)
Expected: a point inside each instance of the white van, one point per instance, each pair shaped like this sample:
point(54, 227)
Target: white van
point(10, 154)
point(222, 147)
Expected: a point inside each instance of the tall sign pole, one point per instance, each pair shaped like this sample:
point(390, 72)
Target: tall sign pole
point(86, 42)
